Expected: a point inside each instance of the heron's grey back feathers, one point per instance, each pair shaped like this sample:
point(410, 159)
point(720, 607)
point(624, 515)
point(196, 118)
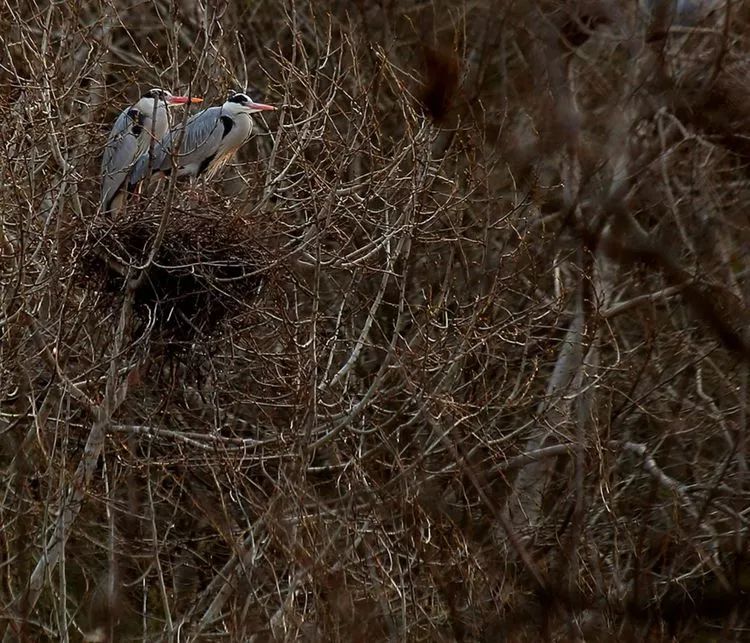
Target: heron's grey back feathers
point(127, 142)
point(211, 138)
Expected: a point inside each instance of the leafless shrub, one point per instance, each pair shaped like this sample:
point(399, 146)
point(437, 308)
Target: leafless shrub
point(494, 384)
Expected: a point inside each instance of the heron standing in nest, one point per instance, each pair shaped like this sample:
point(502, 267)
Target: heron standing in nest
point(131, 137)
point(207, 141)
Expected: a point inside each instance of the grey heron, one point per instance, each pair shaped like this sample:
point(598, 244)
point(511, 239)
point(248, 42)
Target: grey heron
point(208, 140)
point(130, 137)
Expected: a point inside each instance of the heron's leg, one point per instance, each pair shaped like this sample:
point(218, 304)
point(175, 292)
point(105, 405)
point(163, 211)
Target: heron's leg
point(198, 190)
point(141, 194)
point(204, 186)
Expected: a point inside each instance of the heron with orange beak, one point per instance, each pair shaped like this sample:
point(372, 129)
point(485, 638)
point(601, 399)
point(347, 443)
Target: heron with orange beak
point(131, 138)
point(207, 141)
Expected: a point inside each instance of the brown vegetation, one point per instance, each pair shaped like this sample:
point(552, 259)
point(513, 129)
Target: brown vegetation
point(456, 350)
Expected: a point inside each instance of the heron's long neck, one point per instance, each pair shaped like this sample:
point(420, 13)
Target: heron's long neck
point(161, 124)
point(156, 122)
point(247, 122)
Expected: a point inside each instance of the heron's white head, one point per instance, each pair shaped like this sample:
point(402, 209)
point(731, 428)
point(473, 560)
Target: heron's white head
point(240, 103)
point(168, 98)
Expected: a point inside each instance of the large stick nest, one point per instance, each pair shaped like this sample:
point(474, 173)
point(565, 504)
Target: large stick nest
point(207, 268)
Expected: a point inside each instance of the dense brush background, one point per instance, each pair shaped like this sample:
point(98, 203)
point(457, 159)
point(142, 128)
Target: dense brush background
point(494, 385)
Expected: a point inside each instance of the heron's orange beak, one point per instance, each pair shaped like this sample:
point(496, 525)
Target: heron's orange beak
point(262, 108)
point(181, 100)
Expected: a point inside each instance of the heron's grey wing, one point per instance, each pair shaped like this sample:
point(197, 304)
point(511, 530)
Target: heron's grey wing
point(158, 158)
point(200, 142)
point(124, 145)
point(198, 145)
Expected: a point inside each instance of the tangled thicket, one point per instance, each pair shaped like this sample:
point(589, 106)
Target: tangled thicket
point(193, 270)
point(494, 385)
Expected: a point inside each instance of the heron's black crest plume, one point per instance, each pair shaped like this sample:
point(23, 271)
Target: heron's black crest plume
point(239, 98)
point(156, 93)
